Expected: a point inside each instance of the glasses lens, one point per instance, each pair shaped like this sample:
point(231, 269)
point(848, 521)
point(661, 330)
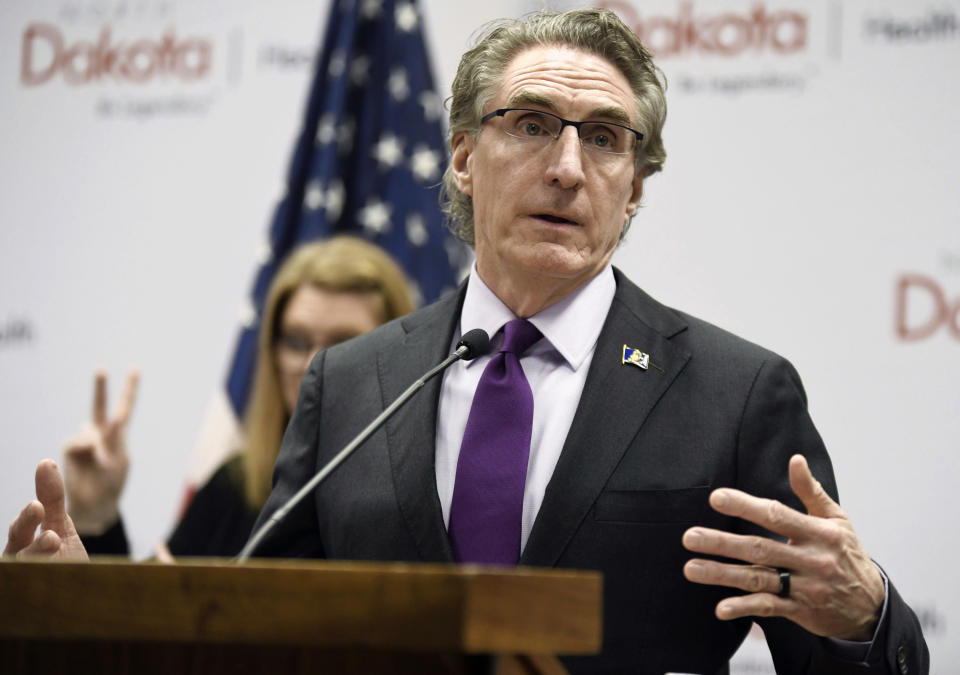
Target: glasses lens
point(531, 125)
point(543, 127)
point(607, 138)
point(296, 344)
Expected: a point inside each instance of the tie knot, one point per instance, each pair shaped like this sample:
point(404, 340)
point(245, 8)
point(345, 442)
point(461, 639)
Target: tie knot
point(518, 335)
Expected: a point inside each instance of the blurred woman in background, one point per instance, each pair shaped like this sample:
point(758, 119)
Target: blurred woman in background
point(325, 293)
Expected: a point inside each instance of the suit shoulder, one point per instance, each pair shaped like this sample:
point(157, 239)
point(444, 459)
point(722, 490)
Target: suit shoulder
point(705, 341)
point(709, 336)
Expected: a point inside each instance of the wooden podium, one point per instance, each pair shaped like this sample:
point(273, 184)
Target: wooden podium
point(210, 617)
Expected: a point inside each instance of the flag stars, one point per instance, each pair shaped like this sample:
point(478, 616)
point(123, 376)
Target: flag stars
point(264, 253)
point(371, 9)
point(417, 229)
point(375, 216)
point(248, 315)
point(345, 134)
point(360, 70)
point(338, 64)
point(388, 151)
point(399, 84)
point(417, 292)
point(431, 104)
point(406, 17)
point(425, 163)
point(326, 129)
point(335, 197)
point(313, 196)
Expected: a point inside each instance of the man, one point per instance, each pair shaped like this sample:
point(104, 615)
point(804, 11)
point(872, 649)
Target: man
point(622, 458)
point(636, 433)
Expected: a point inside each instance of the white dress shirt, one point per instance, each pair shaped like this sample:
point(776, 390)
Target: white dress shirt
point(555, 366)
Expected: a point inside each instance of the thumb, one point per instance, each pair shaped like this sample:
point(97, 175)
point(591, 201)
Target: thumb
point(50, 492)
point(810, 491)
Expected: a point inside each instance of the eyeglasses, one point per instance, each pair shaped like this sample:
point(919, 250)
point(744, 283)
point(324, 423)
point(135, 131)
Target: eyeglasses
point(537, 126)
point(294, 351)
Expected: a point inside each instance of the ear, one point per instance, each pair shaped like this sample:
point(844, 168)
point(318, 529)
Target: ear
point(637, 193)
point(461, 162)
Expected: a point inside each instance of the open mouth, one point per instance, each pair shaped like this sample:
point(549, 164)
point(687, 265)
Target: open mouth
point(555, 219)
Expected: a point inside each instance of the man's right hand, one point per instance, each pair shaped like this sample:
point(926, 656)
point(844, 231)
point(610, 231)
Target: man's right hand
point(58, 537)
point(96, 461)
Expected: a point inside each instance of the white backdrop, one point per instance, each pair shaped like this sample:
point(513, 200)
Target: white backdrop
point(809, 203)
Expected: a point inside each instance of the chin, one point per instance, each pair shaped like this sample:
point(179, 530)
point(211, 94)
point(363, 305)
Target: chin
point(554, 260)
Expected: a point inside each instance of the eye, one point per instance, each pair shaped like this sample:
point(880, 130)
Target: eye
point(601, 136)
point(299, 344)
point(531, 124)
point(531, 129)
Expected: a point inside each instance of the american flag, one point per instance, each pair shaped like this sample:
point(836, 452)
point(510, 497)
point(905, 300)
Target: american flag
point(368, 162)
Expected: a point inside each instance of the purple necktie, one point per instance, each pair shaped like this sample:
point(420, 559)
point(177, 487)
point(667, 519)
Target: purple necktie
point(487, 504)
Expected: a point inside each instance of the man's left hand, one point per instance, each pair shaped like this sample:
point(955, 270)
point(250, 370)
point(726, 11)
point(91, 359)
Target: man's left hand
point(835, 589)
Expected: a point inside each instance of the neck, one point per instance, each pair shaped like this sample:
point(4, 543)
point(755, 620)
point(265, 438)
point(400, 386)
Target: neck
point(530, 294)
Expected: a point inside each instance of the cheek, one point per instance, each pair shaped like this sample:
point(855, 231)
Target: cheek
point(290, 382)
point(617, 212)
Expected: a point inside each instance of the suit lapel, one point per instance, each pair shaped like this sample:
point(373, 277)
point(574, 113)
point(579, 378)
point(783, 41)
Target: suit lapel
point(411, 432)
point(615, 402)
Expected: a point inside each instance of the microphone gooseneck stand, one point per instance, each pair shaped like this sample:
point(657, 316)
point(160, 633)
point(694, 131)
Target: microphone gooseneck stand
point(474, 343)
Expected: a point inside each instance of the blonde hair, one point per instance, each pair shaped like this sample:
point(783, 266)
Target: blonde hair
point(598, 31)
point(342, 264)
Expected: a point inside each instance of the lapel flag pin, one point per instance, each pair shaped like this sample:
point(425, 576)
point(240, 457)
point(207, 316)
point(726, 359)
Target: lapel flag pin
point(636, 357)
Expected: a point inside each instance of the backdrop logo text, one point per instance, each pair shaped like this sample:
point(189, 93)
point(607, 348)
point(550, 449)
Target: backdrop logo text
point(923, 308)
point(46, 52)
point(727, 33)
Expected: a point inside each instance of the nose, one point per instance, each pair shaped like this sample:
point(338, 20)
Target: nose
point(565, 168)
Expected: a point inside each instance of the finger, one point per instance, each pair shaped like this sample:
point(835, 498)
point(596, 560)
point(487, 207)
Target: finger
point(755, 604)
point(100, 398)
point(163, 554)
point(749, 548)
point(46, 544)
point(810, 491)
point(767, 513)
point(125, 406)
point(23, 528)
point(84, 443)
point(50, 492)
point(750, 578)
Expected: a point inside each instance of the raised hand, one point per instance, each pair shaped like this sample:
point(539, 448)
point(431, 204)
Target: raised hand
point(96, 461)
point(57, 538)
point(835, 590)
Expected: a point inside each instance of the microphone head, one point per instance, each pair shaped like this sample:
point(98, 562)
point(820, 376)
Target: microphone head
point(477, 343)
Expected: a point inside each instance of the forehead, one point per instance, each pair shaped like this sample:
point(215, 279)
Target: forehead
point(573, 80)
point(318, 308)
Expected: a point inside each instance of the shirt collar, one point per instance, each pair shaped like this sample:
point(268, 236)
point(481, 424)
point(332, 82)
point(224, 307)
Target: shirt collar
point(572, 325)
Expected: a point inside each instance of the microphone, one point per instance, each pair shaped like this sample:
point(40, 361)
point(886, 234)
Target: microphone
point(475, 343)
point(472, 344)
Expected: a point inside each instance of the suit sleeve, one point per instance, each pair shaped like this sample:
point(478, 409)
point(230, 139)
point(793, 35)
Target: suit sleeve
point(298, 535)
point(775, 425)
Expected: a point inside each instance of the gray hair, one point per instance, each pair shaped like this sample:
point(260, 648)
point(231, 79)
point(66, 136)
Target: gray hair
point(598, 31)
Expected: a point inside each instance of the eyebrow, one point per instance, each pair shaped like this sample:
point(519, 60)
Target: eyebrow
point(527, 98)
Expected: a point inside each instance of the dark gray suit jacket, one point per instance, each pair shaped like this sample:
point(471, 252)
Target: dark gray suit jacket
point(643, 452)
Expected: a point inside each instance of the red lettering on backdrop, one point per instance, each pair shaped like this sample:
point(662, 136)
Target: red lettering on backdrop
point(28, 74)
point(44, 54)
point(789, 32)
point(944, 313)
point(727, 34)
